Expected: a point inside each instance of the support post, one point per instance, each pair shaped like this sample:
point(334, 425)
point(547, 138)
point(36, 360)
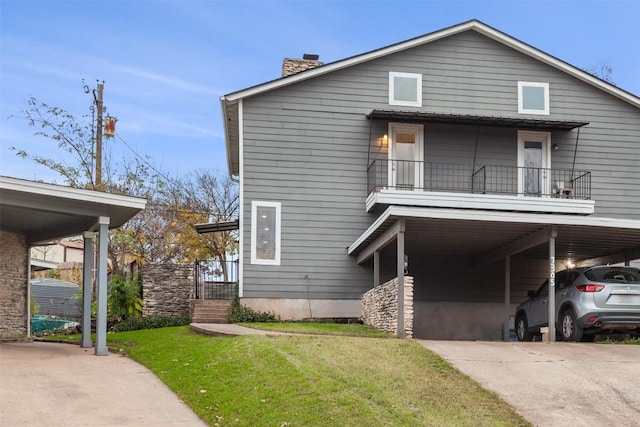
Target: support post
point(101, 318)
point(376, 268)
point(27, 308)
point(87, 277)
point(553, 233)
point(507, 297)
point(400, 267)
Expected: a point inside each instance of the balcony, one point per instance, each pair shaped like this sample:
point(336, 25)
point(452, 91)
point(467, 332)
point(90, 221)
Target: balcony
point(492, 187)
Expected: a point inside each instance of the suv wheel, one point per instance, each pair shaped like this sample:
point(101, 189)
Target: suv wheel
point(522, 328)
point(569, 328)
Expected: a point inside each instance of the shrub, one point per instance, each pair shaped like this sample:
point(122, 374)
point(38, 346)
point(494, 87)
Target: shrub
point(241, 313)
point(150, 322)
point(34, 306)
point(124, 299)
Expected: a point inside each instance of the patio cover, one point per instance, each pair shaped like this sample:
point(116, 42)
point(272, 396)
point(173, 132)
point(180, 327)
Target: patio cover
point(45, 212)
point(469, 119)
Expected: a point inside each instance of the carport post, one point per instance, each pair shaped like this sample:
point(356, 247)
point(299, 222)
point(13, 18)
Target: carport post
point(507, 297)
point(87, 276)
point(400, 266)
point(376, 268)
point(553, 233)
point(101, 318)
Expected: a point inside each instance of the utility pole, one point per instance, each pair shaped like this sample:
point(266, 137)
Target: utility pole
point(99, 106)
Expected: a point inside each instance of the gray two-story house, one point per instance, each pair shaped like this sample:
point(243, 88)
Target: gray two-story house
point(465, 159)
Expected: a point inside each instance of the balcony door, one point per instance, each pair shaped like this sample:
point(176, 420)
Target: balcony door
point(406, 156)
point(534, 161)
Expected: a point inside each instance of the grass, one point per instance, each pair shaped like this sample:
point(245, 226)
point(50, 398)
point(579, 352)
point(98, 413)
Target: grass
point(313, 380)
point(320, 328)
point(619, 340)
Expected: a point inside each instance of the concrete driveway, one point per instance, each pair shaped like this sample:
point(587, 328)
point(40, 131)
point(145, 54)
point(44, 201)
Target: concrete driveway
point(49, 384)
point(561, 384)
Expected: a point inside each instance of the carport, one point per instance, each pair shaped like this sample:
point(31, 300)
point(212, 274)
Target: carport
point(474, 238)
point(35, 213)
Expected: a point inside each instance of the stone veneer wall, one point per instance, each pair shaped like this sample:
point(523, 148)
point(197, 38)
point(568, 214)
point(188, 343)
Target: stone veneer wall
point(167, 289)
point(14, 258)
point(379, 307)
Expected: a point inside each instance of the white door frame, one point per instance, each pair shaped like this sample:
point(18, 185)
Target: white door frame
point(418, 130)
point(545, 139)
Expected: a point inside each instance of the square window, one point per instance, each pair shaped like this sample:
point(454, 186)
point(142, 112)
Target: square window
point(533, 98)
point(265, 233)
point(405, 89)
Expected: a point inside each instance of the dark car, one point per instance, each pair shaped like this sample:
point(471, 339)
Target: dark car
point(589, 301)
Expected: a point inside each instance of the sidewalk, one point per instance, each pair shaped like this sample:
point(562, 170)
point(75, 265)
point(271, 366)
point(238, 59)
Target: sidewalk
point(221, 329)
point(52, 384)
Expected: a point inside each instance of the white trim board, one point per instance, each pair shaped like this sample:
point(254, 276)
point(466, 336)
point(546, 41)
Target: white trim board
point(78, 194)
point(491, 216)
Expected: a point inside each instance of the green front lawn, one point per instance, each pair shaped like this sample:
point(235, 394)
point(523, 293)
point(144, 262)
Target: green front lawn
point(320, 328)
point(305, 380)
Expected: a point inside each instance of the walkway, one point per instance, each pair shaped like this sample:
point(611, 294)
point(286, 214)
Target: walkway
point(555, 385)
point(51, 384)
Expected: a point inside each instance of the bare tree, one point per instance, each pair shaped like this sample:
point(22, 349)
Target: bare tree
point(164, 232)
point(602, 70)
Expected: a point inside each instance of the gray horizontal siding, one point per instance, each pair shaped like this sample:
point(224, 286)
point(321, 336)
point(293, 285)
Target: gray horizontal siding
point(307, 146)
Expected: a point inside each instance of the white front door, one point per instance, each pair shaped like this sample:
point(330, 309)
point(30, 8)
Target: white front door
point(406, 156)
point(533, 163)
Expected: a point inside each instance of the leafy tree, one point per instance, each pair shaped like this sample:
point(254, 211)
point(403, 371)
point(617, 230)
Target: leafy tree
point(124, 300)
point(70, 135)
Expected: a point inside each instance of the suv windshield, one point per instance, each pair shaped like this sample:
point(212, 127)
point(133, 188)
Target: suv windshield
point(613, 275)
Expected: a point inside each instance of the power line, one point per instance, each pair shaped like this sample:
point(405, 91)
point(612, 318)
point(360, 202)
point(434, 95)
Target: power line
point(144, 160)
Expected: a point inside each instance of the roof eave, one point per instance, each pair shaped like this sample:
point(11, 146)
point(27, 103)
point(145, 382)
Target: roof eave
point(77, 194)
point(348, 62)
point(427, 38)
point(551, 60)
point(231, 128)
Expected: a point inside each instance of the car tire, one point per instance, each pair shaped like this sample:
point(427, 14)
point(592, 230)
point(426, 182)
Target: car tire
point(522, 328)
point(569, 328)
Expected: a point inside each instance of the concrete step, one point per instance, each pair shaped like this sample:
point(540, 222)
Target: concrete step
point(210, 311)
point(218, 320)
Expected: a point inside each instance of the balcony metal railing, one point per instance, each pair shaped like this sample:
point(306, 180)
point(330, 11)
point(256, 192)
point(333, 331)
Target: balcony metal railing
point(478, 179)
point(215, 279)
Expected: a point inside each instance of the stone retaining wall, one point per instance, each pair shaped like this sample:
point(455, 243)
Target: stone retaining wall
point(13, 285)
point(379, 307)
point(167, 289)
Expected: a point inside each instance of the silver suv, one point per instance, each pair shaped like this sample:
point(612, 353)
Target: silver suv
point(589, 301)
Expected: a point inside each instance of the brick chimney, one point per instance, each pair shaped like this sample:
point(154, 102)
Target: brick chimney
point(293, 66)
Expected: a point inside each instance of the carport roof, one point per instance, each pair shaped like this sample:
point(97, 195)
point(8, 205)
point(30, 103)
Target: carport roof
point(44, 212)
point(487, 236)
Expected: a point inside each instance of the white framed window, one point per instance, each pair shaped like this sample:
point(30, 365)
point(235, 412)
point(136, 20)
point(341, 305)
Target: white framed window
point(265, 232)
point(405, 89)
point(533, 98)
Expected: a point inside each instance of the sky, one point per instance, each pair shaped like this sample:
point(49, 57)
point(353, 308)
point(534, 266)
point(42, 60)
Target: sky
point(165, 64)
